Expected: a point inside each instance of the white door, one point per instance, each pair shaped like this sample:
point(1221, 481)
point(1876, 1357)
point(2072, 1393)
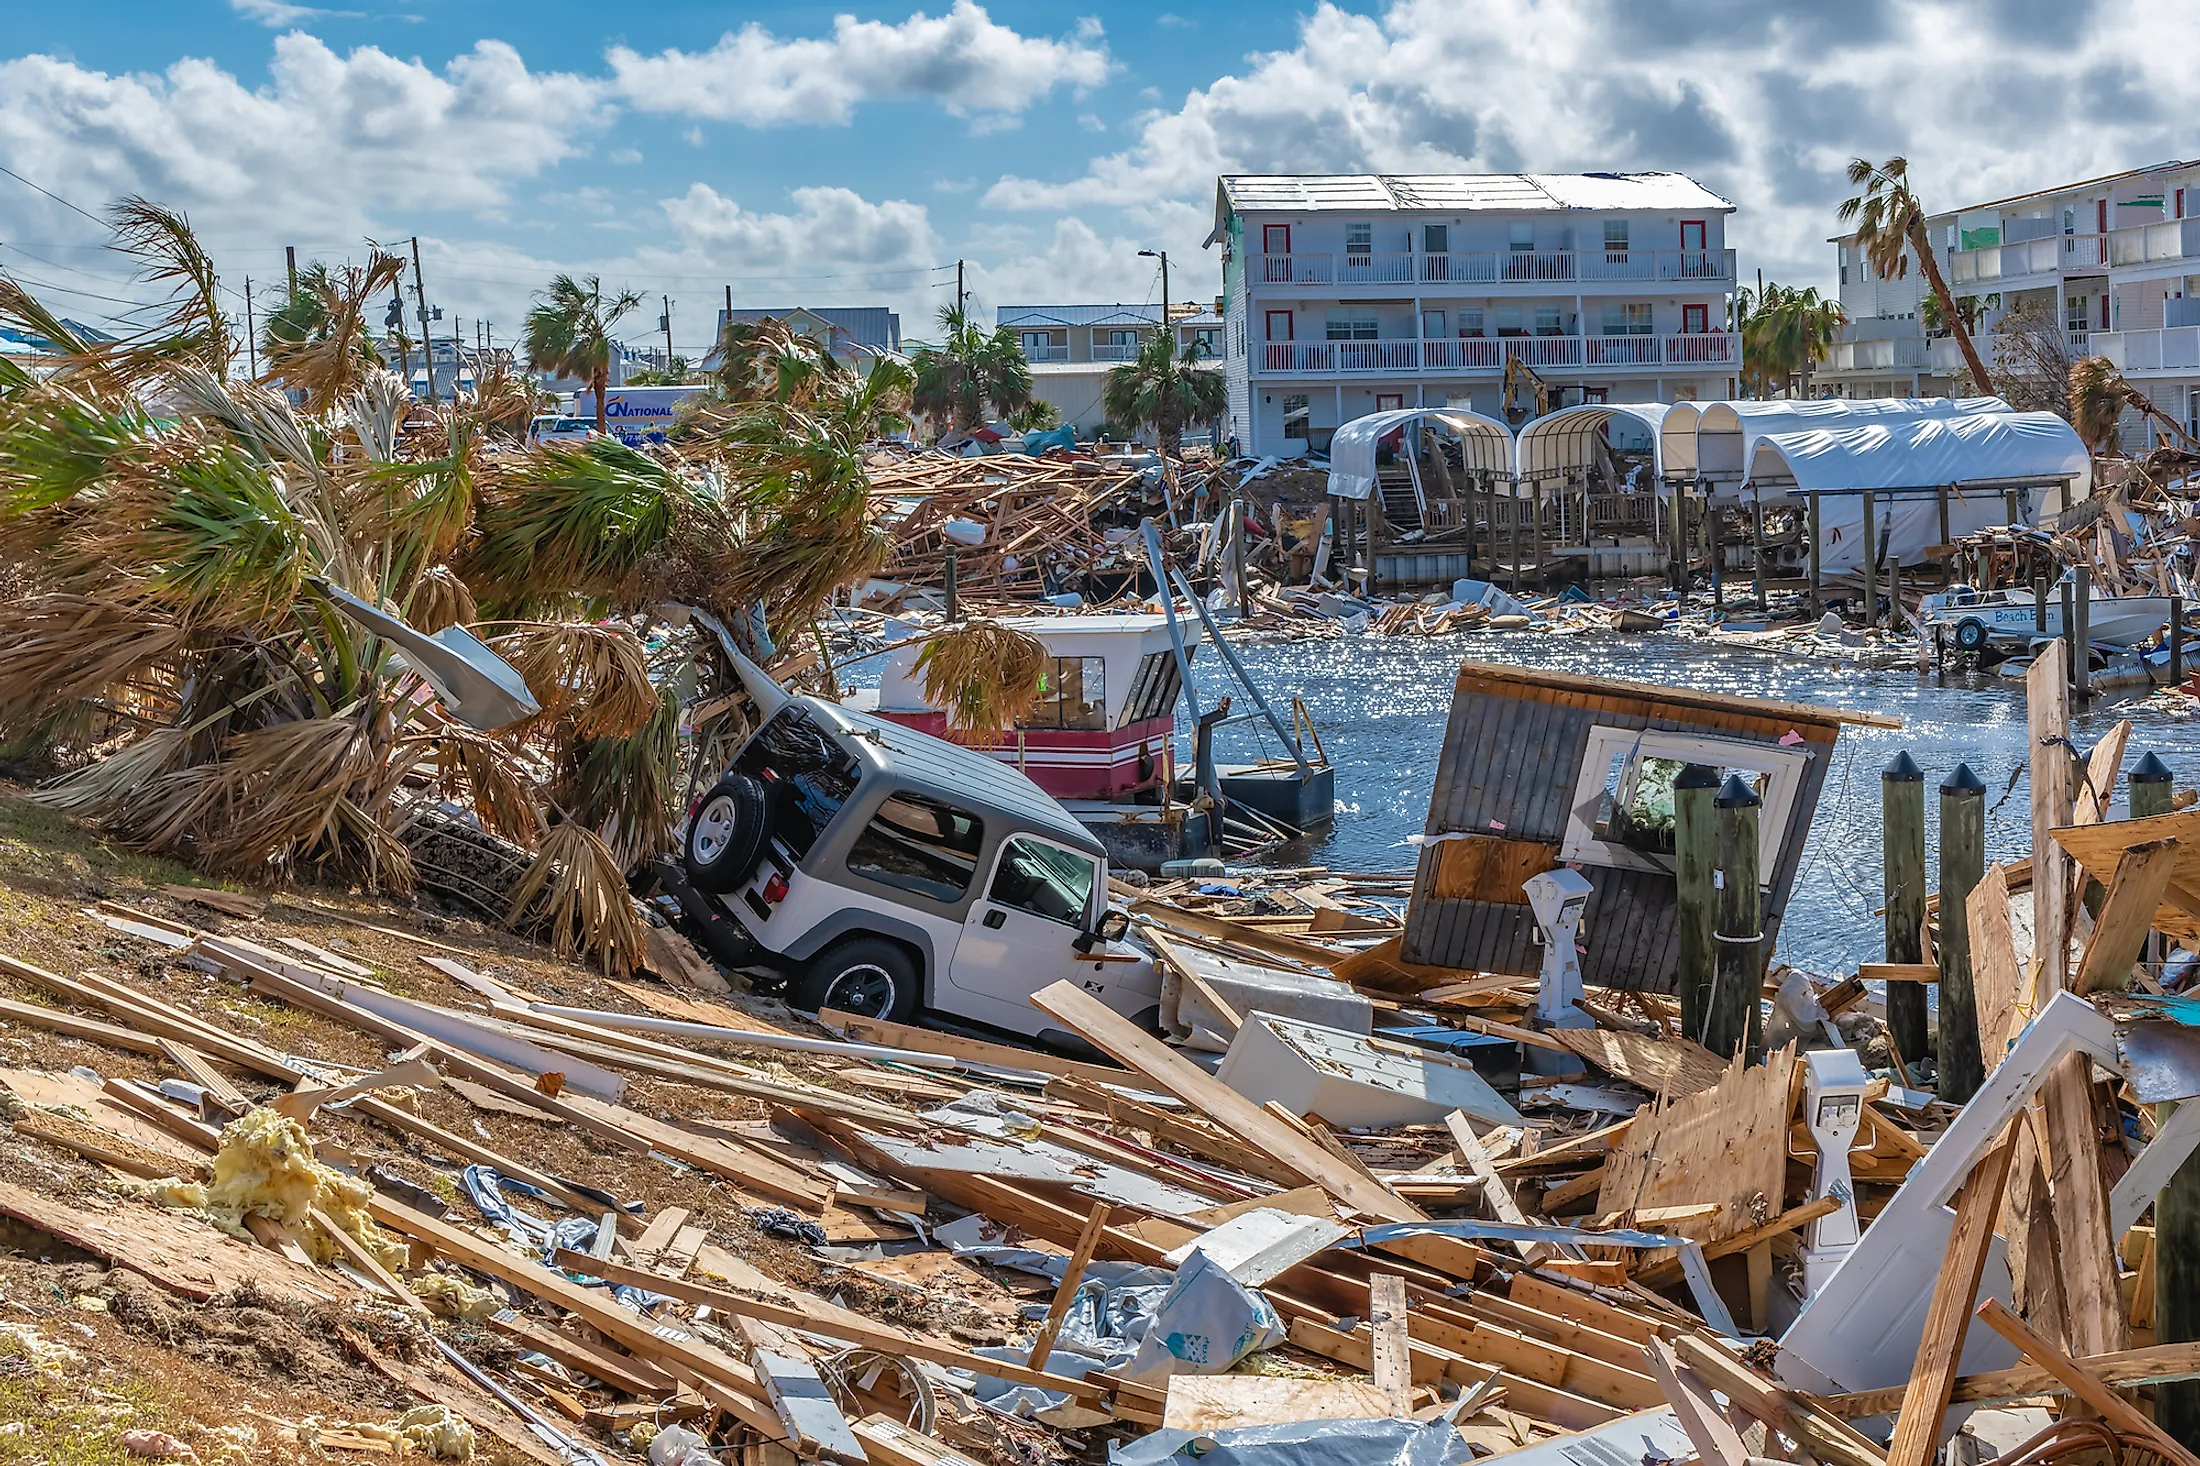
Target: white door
point(1016, 938)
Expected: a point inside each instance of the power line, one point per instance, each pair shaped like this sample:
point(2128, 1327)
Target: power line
point(57, 198)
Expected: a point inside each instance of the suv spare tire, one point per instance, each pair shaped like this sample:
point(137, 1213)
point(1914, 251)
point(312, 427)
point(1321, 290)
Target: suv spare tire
point(868, 976)
point(726, 836)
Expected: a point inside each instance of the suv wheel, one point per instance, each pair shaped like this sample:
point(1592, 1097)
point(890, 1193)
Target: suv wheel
point(868, 976)
point(726, 837)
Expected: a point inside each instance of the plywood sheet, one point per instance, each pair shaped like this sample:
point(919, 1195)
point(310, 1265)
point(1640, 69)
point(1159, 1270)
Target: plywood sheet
point(1227, 1401)
point(1726, 1144)
point(1670, 1066)
point(175, 1249)
point(1489, 868)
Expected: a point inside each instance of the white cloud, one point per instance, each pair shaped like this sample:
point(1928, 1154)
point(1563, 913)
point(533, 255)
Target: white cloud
point(1091, 122)
point(1075, 266)
point(964, 59)
point(329, 144)
point(280, 13)
point(1762, 104)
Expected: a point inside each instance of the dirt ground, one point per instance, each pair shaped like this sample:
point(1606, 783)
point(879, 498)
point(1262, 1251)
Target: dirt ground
point(257, 1366)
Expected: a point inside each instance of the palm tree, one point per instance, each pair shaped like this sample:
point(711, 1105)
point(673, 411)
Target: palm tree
point(770, 361)
point(969, 372)
point(318, 340)
point(1786, 332)
point(569, 332)
point(1890, 227)
point(1165, 389)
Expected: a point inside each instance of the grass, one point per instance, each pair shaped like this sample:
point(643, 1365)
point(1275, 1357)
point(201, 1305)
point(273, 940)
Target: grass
point(67, 1422)
point(38, 842)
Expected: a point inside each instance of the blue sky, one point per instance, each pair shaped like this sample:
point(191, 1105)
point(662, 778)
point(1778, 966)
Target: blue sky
point(850, 154)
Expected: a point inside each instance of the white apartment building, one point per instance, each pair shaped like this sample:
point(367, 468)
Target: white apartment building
point(1348, 294)
point(2116, 259)
point(1072, 348)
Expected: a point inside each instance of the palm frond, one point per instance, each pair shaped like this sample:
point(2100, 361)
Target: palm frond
point(194, 328)
point(623, 788)
point(984, 675)
point(438, 598)
point(319, 341)
point(61, 648)
point(594, 677)
point(574, 886)
point(574, 518)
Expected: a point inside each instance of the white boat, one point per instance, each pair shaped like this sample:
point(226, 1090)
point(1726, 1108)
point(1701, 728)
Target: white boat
point(1976, 620)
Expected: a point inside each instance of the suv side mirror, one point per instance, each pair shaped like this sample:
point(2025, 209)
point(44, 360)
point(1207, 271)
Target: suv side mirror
point(1114, 925)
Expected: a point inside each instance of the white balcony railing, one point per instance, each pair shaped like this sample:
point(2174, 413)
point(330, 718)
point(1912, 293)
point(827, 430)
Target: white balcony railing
point(1114, 353)
point(1496, 267)
point(1046, 353)
point(1473, 354)
point(2142, 244)
point(2146, 244)
point(2167, 349)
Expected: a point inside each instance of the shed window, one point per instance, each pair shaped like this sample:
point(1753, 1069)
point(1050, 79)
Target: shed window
point(1622, 811)
point(918, 844)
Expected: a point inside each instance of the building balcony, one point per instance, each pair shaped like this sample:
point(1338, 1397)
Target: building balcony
point(1471, 355)
point(1713, 268)
point(1893, 354)
point(1046, 353)
point(1114, 353)
point(2148, 244)
point(2169, 242)
point(2167, 349)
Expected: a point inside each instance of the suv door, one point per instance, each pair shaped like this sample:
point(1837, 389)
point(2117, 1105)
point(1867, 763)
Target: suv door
point(1016, 938)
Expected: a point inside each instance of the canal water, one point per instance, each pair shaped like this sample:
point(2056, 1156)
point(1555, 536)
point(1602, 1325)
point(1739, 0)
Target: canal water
point(1380, 703)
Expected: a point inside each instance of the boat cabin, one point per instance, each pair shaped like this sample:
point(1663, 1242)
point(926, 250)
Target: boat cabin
point(1103, 727)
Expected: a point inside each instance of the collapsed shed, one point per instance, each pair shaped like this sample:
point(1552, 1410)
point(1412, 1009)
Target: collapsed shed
point(1542, 769)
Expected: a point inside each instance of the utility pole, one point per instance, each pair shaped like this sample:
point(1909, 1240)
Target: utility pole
point(290, 262)
point(1163, 256)
point(427, 335)
point(666, 321)
point(458, 356)
point(251, 346)
point(958, 287)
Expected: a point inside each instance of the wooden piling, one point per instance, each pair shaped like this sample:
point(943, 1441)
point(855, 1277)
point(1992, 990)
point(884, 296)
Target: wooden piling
point(2069, 634)
point(1871, 564)
point(2177, 641)
point(1817, 595)
point(1535, 511)
point(1718, 555)
point(1695, 837)
point(1757, 548)
point(1732, 1025)
point(1902, 848)
point(1944, 519)
point(1962, 865)
point(2177, 1205)
point(2039, 605)
point(1237, 557)
point(2081, 642)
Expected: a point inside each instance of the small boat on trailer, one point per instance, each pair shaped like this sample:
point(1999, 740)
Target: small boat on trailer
point(2008, 620)
point(1102, 741)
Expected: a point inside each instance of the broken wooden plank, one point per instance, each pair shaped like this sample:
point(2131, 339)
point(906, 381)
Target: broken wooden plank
point(2130, 1369)
point(1124, 1041)
point(228, 903)
point(2112, 1407)
point(815, 1426)
point(1227, 1401)
point(300, 1104)
point(1389, 1353)
point(2127, 915)
point(1073, 1277)
point(1916, 1439)
point(620, 1371)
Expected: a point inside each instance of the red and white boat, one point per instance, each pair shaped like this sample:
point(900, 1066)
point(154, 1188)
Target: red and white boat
point(1102, 739)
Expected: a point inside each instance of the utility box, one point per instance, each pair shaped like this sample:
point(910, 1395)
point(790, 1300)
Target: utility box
point(1352, 1082)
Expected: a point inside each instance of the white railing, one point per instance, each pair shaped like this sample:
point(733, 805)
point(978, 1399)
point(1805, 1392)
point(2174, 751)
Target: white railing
point(1495, 267)
point(1470, 354)
point(2168, 349)
point(1046, 353)
point(2172, 239)
point(1114, 353)
point(1893, 353)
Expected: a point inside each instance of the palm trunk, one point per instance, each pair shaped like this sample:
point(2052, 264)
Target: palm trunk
point(1948, 311)
point(599, 381)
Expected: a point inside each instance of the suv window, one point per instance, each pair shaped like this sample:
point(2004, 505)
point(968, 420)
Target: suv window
point(1044, 880)
point(810, 776)
point(921, 845)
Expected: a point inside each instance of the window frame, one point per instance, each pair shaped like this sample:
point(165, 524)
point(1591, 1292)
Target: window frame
point(1289, 326)
point(1698, 313)
point(1354, 320)
point(1083, 921)
point(915, 885)
point(1359, 237)
point(1782, 768)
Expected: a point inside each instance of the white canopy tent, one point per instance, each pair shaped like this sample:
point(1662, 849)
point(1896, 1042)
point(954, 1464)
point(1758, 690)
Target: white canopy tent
point(1905, 463)
point(1562, 440)
point(1677, 439)
point(1727, 433)
point(1486, 443)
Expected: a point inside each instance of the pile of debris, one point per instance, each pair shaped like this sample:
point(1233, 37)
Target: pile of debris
point(1352, 1203)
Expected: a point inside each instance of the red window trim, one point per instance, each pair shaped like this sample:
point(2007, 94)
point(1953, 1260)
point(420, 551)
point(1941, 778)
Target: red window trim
point(1703, 234)
point(1269, 323)
point(1266, 230)
point(1700, 315)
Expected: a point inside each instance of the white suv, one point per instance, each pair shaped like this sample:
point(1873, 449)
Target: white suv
point(882, 870)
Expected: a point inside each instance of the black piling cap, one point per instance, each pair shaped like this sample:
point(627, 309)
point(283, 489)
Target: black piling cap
point(1696, 776)
point(1963, 781)
point(1902, 769)
point(1734, 794)
point(2151, 770)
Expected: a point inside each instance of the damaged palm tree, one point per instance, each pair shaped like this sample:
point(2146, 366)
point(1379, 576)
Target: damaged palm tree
point(2099, 394)
point(185, 553)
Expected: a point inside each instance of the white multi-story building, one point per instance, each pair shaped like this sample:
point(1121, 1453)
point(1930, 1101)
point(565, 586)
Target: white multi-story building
point(2114, 261)
point(1348, 294)
point(1072, 348)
